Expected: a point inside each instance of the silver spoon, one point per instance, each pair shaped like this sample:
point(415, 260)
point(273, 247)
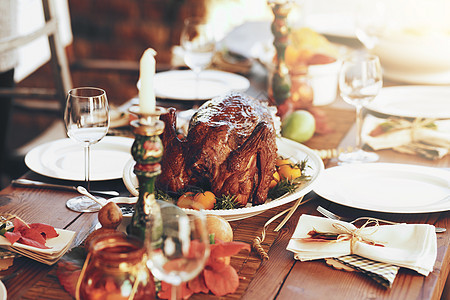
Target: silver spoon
point(101, 202)
point(85, 192)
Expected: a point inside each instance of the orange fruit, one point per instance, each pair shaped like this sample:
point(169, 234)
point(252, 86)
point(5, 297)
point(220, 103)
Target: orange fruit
point(205, 200)
point(275, 180)
point(281, 162)
point(186, 200)
point(289, 172)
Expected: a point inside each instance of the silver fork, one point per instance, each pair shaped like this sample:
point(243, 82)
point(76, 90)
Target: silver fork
point(333, 216)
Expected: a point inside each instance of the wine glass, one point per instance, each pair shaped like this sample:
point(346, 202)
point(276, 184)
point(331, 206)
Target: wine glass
point(198, 42)
point(360, 80)
point(371, 22)
point(86, 118)
point(178, 251)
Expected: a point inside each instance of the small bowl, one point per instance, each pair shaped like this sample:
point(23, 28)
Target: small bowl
point(324, 82)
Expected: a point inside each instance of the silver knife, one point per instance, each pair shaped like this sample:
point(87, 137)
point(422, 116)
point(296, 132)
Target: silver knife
point(38, 184)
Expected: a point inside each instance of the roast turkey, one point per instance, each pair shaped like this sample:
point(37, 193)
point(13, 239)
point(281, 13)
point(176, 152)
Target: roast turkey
point(230, 149)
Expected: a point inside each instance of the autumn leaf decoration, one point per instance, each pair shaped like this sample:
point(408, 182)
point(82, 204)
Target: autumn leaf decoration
point(218, 277)
point(34, 234)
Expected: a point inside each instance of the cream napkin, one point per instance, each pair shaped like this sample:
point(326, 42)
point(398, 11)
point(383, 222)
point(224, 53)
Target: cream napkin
point(425, 137)
point(412, 246)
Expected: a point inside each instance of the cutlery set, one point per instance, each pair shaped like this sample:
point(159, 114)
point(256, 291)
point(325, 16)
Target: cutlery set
point(38, 184)
point(334, 216)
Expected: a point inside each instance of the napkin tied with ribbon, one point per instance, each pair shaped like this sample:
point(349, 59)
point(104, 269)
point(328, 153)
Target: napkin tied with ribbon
point(412, 246)
point(428, 138)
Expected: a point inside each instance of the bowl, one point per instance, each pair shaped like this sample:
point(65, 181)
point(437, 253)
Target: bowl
point(417, 58)
point(412, 39)
point(324, 82)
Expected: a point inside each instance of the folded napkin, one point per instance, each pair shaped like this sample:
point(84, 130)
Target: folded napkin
point(412, 246)
point(425, 137)
point(382, 273)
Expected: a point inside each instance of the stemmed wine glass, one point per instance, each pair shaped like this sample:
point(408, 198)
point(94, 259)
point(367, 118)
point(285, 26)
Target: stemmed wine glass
point(86, 118)
point(178, 251)
point(198, 42)
point(360, 81)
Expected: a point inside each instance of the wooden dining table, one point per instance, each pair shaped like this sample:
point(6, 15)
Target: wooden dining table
point(279, 277)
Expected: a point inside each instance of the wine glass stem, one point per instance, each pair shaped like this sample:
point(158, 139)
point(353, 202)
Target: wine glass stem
point(358, 127)
point(87, 165)
point(174, 291)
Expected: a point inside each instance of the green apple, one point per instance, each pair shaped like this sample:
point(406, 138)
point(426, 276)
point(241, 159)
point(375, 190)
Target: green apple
point(299, 126)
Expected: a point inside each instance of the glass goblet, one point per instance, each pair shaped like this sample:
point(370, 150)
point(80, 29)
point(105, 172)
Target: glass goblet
point(178, 252)
point(198, 42)
point(360, 81)
point(86, 118)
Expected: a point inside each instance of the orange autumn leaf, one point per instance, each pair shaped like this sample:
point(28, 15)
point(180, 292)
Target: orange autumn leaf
point(198, 285)
point(166, 291)
point(227, 249)
point(217, 276)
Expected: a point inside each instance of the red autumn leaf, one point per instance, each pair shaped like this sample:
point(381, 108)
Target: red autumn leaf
point(33, 243)
point(220, 278)
point(198, 285)
point(68, 274)
point(46, 230)
point(12, 236)
point(32, 234)
point(225, 281)
point(227, 249)
point(166, 291)
point(19, 224)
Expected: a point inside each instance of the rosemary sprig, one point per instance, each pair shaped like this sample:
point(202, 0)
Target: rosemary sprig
point(226, 202)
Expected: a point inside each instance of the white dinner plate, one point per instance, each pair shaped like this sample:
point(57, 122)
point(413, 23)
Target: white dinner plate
point(386, 187)
point(64, 158)
point(286, 148)
point(182, 85)
point(3, 292)
point(413, 101)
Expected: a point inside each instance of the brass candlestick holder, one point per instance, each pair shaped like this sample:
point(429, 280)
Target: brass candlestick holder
point(281, 82)
point(147, 151)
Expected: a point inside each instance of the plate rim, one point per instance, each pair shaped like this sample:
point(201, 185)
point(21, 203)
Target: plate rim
point(372, 107)
point(320, 190)
point(32, 158)
point(246, 212)
point(161, 76)
point(3, 291)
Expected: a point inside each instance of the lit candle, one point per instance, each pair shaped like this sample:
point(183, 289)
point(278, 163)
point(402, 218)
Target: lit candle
point(147, 100)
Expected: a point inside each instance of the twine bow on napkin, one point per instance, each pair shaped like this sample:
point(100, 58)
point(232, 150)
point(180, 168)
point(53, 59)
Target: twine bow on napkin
point(357, 235)
point(412, 246)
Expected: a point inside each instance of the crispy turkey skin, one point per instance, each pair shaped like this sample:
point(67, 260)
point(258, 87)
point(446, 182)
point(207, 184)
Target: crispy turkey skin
point(230, 148)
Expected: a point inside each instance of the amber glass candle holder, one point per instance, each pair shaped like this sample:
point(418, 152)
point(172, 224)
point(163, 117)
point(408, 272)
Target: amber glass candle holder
point(115, 268)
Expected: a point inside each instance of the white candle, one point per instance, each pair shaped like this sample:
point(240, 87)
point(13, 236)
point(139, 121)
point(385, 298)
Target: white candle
point(147, 67)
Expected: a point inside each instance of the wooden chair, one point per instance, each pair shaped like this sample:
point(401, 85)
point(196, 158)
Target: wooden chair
point(58, 60)
point(37, 99)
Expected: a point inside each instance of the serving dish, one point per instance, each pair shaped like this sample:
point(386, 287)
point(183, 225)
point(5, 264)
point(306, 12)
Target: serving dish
point(286, 148)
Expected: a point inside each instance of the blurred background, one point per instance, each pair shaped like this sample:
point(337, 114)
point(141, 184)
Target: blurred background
point(105, 39)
